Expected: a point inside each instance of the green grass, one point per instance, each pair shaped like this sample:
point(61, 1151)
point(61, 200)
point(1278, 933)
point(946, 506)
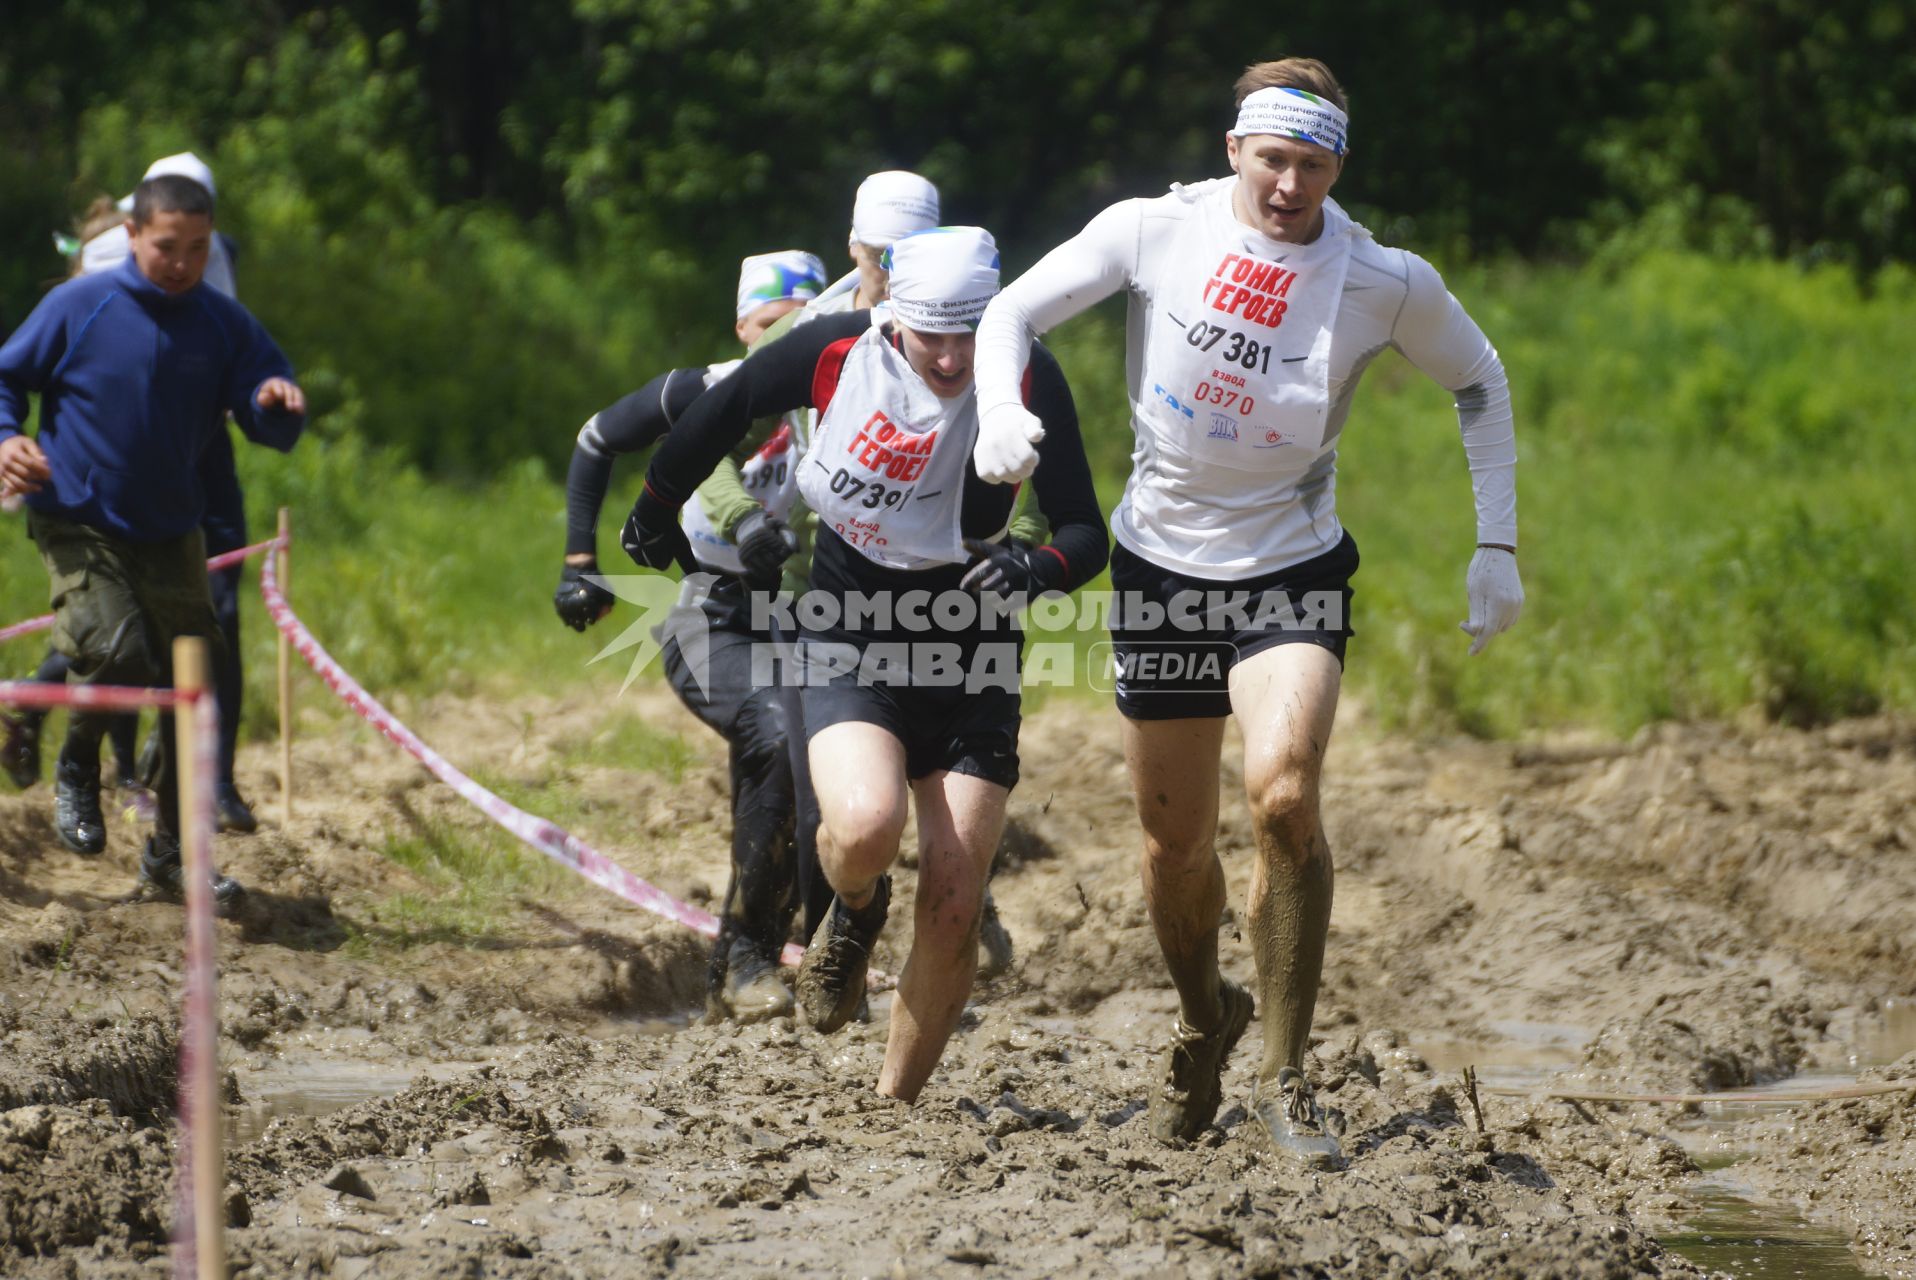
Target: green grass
point(1715, 459)
point(628, 743)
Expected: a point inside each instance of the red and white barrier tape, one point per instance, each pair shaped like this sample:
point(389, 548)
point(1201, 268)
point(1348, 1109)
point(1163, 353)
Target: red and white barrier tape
point(553, 841)
point(104, 697)
point(199, 1097)
point(224, 560)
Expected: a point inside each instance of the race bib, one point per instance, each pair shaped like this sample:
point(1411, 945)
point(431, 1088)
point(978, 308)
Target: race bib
point(887, 467)
point(1237, 362)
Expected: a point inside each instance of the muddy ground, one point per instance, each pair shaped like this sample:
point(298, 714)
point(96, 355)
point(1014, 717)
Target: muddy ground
point(1702, 908)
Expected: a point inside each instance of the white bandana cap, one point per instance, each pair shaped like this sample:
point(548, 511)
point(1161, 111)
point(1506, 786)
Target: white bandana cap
point(1293, 113)
point(772, 277)
point(183, 165)
point(892, 205)
point(942, 279)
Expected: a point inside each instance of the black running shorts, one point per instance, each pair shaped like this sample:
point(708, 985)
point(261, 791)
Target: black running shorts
point(1176, 638)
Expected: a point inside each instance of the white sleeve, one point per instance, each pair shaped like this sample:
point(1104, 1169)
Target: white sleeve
point(1086, 269)
point(1435, 334)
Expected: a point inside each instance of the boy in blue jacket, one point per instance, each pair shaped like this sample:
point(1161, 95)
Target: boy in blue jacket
point(136, 369)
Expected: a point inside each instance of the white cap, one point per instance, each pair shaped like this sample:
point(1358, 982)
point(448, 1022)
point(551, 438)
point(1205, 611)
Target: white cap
point(770, 277)
point(942, 279)
point(183, 165)
point(891, 205)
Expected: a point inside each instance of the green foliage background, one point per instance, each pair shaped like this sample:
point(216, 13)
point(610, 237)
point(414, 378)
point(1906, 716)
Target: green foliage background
point(472, 223)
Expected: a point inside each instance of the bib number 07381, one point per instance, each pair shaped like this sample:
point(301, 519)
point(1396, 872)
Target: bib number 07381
point(1240, 350)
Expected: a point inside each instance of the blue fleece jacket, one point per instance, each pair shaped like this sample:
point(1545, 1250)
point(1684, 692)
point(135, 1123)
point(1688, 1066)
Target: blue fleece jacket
point(134, 386)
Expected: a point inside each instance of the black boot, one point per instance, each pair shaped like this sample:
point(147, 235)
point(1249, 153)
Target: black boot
point(20, 747)
point(753, 991)
point(234, 813)
point(161, 871)
point(76, 808)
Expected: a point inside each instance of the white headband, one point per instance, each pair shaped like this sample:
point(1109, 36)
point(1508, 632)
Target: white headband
point(772, 277)
point(942, 279)
point(183, 165)
point(1293, 113)
point(892, 205)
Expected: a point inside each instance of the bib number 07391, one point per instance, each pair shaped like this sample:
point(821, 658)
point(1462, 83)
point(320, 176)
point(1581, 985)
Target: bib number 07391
point(869, 494)
point(1240, 350)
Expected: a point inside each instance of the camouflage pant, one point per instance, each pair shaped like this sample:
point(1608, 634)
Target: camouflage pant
point(118, 605)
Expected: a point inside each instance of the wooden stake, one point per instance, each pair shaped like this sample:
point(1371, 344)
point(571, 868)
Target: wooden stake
point(199, 1030)
point(285, 677)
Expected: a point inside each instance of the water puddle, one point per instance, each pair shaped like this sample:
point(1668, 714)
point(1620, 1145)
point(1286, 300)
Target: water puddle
point(1754, 1240)
point(1515, 1054)
point(321, 1086)
point(1735, 1231)
point(342, 1068)
point(1889, 1034)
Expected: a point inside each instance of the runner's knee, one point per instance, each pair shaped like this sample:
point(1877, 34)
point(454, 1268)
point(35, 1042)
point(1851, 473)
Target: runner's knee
point(1284, 805)
point(864, 834)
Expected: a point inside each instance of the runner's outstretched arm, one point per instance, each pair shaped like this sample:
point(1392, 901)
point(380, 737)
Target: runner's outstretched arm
point(633, 422)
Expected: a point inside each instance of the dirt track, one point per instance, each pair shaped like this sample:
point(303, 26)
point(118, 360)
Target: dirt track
point(1699, 909)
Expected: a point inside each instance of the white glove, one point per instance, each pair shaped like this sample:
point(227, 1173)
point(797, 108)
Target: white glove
point(1496, 596)
point(1007, 451)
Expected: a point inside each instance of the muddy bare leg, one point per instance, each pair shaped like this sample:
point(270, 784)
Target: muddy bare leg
point(1286, 701)
point(1174, 779)
point(960, 820)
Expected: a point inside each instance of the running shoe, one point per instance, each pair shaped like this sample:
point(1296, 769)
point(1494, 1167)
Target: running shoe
point(831, 981)
point(162, 873)
point(1193, 1082)
point(1292, 1121)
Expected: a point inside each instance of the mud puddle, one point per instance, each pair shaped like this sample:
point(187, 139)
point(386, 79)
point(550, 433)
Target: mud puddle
point(340, 1069)
point(1516, 1054)
point(318, 1087)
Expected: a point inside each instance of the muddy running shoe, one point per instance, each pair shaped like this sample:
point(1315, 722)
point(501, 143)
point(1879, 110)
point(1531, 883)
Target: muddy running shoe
point(753, 991)
point(994, 942)
point(77, 819)
point(831, 981)
point(234, 813)
point(1192, 1084)
point(162, 875)
point(1288, 1113)
point(20, 749)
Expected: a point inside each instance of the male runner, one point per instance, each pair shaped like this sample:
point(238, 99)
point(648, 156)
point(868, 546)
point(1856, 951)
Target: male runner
point(1256, 305)
point(900, 695)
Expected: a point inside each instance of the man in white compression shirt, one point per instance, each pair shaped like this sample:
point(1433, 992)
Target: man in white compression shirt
point(1255, 306)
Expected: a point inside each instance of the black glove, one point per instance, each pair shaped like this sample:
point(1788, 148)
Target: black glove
point(1011, 567)
point(579, 601)
point(765, 543)
point(652, 536)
